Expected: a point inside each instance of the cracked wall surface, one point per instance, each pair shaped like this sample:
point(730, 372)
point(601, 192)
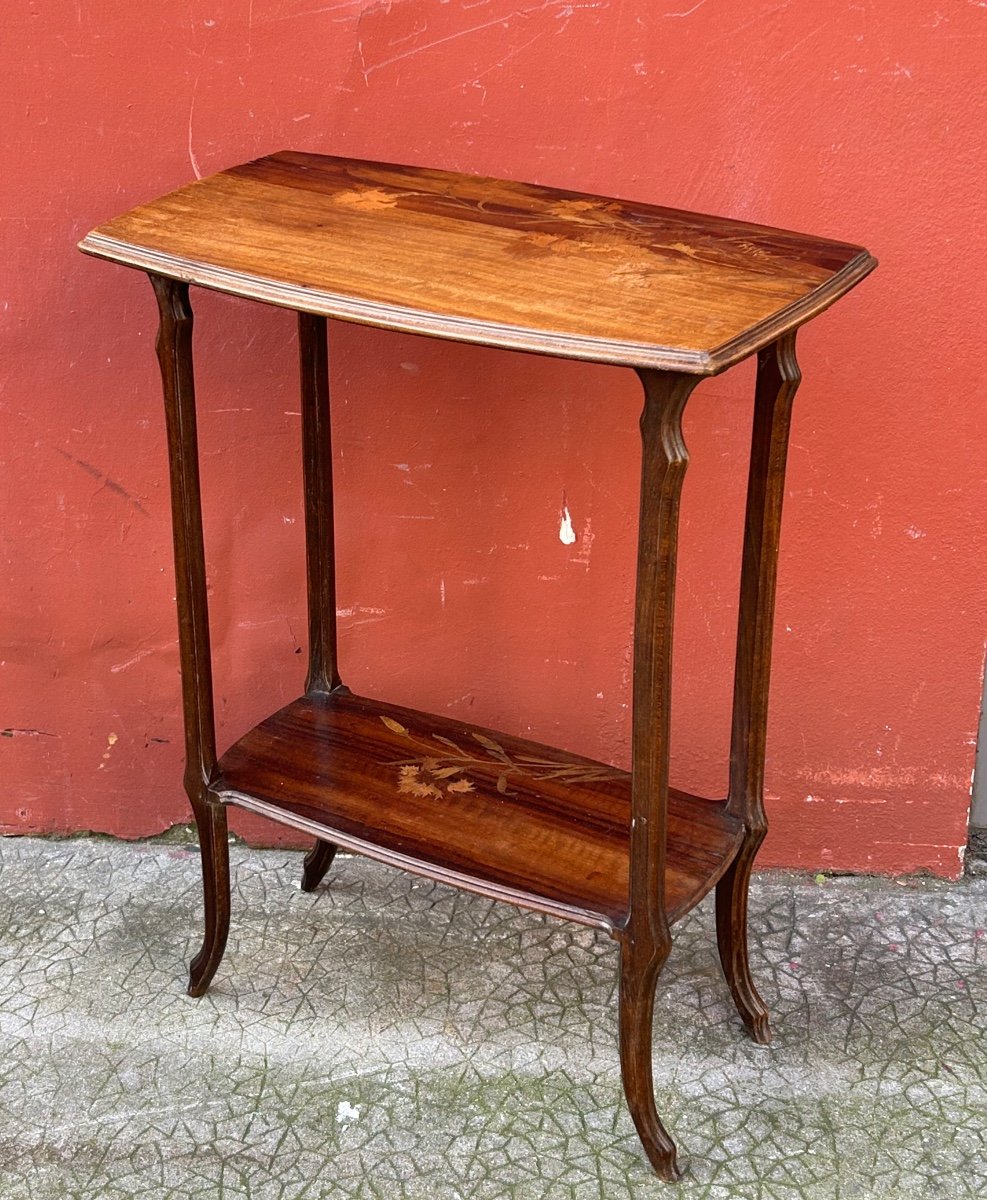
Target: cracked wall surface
point(387, 1037)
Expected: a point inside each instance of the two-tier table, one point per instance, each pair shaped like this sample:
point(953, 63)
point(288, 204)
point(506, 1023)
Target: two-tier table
point(675, 296)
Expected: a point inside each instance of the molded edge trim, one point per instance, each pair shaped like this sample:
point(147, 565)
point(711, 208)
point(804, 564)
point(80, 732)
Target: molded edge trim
point(467, 329)
point(417, 866)
point(795, 314)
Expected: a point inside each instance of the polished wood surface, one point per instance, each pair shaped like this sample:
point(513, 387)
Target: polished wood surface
point(778, 378)
point(647, 937)
point(174, 350)
point(492, 813)
point(320, 543)
point(672, 294)
point(489, 261)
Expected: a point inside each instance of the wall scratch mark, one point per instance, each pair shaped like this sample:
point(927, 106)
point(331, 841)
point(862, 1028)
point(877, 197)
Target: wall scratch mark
point(801, 42)
point(118, 667)
point(760, 17)
point(460, 33)
point(688, 12)
point(110, 484)
point(315, 12)
point(191, 109)
point(585, 545)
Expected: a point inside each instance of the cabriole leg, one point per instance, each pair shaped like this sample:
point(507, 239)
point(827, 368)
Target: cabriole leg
point(731, 939)
point(317, 862)
point(638, 980)
point(777, 381)
point(210, 818)
point(646, 940)
point(174, 348)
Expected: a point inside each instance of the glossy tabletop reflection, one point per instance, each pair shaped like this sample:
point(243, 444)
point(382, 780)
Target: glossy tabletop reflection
point(488, 261)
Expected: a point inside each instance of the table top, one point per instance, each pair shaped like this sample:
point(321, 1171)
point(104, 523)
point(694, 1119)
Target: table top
point(488, 261)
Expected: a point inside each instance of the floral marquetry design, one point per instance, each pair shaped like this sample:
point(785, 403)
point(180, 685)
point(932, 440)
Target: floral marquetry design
point(445, 767)
point(677, 296)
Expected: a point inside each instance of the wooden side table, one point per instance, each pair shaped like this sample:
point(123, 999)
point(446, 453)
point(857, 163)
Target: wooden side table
point(675, 296)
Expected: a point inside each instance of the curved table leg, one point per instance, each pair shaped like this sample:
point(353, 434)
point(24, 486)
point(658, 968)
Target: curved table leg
point(317, 862)
point(174, 350)
point(210, 818)
point(638, 979)
point(778, 378)
point(731, 940)
point(646, 939)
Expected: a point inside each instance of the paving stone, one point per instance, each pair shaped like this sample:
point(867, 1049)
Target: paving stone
point(392, 1038)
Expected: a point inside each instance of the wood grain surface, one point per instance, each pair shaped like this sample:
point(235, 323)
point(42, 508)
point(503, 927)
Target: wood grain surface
point(496, 814)
point(487, 261)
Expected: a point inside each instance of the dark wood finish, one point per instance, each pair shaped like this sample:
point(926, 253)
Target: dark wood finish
point(646, 939)
point(778, 377)
point(673, 294)
point(489, 261)
point(486, 811)
point(320, 538)
point(323, 674)
point(316, 863)
point(174, 349)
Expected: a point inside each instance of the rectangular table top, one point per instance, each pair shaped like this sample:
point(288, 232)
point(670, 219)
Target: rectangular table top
point(488, 261)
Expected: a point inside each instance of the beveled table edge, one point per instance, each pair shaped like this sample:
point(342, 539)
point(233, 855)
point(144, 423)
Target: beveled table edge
point(416, 866)
point(793, 315)
point(484, 333)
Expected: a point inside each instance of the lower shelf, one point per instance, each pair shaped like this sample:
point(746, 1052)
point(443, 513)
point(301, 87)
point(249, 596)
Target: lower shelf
point(498, 815)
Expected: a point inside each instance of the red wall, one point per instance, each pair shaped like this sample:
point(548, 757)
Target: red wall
point(859, 121)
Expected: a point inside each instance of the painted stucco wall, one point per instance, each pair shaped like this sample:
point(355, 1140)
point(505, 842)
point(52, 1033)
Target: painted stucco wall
point(862, 121)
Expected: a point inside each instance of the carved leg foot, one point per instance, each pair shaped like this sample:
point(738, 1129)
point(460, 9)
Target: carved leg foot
point(731, 938)
point(637, 1004)
point(210, 818)
point(317, 862)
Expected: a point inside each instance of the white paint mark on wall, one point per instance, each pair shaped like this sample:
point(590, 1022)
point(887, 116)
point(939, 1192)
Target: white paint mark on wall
point(567, 535)
point(913, 532)
point(442, 591)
